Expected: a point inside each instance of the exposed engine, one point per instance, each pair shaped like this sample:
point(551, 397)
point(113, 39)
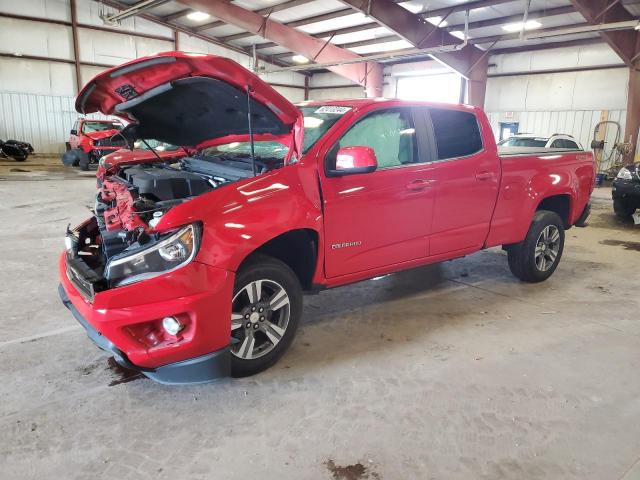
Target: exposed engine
point(131, 203)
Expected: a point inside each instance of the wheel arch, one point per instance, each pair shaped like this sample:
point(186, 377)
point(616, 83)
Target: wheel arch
point(558, 203)
point(297, 248)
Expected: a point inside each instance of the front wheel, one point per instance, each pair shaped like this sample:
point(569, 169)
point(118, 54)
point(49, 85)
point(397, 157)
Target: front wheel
point(622, 208)
point(537, 256)
point(265, 311)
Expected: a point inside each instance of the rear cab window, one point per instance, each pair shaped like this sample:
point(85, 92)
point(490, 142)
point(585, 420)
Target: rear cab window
point(457, 133)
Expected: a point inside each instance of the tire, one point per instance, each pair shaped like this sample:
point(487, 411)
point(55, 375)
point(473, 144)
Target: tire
point(622, 208)
point(261, 318)
point(71, 158)
point(83, 161)
point(537, 257)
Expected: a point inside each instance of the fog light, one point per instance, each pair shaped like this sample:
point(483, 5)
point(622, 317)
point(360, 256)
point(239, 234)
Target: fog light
point(171, 325)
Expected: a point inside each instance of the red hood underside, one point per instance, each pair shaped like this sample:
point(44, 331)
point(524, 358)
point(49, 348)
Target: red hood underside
point(193, 99)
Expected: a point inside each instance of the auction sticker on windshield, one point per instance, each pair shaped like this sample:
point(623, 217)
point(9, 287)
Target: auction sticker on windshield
point(333, 109)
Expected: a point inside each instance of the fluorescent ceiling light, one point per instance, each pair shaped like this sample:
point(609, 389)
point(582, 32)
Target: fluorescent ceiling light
point(198, 16)
point(457, 34)
point(300, 59)
point(637, 27)
point(413, 7)
point(516, 27)
point(436, 21)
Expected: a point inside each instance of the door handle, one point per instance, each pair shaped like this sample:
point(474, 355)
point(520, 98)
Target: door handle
point(484, 176)
point(420, 184)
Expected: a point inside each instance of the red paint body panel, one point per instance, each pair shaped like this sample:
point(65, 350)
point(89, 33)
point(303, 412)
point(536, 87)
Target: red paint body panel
point(366, 224)
point(120, 158)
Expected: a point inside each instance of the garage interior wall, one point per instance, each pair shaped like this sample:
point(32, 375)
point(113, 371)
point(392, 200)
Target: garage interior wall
point(37, 96)
point(594, 88)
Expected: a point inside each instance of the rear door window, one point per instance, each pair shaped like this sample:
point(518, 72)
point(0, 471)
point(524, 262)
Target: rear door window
point(457, 133)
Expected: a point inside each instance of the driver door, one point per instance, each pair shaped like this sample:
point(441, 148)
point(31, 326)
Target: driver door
point(381, 218)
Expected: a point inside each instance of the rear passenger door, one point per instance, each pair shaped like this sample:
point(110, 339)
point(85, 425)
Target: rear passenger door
point(467, 181)
point(380, 218)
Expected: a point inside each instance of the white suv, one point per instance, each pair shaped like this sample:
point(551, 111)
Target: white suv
point(556, 140)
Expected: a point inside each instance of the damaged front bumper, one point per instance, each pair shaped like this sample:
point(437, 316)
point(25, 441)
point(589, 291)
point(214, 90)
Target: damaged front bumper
point(117, 322)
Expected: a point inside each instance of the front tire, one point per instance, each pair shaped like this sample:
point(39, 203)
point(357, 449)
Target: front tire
point(266, 309)
point(622, 208)
point(537, 256)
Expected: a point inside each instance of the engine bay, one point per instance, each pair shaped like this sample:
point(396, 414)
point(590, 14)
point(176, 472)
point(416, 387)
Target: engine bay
point(132, 201)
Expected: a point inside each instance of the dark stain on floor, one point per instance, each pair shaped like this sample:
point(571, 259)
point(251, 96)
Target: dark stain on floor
point(356, 471)
point(620, 243)
point(123, 375)
point(88, 369)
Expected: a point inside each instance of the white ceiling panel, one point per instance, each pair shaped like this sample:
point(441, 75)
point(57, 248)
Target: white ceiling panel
point(335, 23)
point(381, 47)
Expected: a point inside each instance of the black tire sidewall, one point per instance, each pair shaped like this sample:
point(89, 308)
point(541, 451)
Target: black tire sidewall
point(522, 256)
point(264, 267)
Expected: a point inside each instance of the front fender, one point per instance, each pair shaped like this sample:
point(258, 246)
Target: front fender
point(239, 218)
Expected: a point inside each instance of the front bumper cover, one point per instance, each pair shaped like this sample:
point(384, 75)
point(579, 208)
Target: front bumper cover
point(627, 189)
point(202, 369)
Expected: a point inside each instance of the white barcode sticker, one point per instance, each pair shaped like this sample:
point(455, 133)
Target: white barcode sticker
point(336, 110)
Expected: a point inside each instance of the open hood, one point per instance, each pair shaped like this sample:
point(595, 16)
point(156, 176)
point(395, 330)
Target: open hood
point(192, 99)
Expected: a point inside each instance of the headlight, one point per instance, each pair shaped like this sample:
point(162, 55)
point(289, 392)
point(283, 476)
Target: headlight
point(624, 174)
point(174, 251)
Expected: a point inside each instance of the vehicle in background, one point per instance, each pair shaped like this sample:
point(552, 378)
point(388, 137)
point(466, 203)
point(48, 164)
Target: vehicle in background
point(90, 140)
point(625, 190)
point(15, 149)
point(193, 270)
point(557, 140)
point(149, 151)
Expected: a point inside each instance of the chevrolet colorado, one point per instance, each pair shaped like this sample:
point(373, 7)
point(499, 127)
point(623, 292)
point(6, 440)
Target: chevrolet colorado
point(194, 268)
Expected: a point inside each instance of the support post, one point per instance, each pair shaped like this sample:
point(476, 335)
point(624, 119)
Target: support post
point(632, 122)
point(477, 83)
point(74, 36)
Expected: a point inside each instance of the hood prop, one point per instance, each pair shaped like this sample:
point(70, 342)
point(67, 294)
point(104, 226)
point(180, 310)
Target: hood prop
point(253, 154)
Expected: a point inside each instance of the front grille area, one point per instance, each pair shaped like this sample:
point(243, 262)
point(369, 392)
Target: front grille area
point(82, 277)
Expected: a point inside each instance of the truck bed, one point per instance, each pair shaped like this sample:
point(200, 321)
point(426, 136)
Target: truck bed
point(519, 151)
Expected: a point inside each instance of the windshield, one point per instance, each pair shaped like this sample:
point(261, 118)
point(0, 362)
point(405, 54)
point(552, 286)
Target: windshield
point(523, 142)
point(317, 121)
point(89, 127)
point(157, 145)
point(263, 150)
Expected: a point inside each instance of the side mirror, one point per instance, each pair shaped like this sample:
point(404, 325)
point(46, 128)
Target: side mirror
point(74, 132)
point(352, 160)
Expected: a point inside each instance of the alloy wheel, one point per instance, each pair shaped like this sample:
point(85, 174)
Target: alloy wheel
point(547, 248)
point(260, 314)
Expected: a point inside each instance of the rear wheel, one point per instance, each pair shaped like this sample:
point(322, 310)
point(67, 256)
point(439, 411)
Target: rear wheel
point(623, 208)
point(537, 256)
point(266, 309)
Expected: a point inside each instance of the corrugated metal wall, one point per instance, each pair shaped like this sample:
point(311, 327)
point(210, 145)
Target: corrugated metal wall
point(42, 120)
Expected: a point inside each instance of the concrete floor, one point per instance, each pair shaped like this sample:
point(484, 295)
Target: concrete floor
point(453, 371)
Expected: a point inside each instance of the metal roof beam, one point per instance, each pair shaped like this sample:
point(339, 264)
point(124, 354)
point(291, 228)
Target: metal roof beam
point(263, 11)
point(625, 43)
point(367, 74)
point(188, 31)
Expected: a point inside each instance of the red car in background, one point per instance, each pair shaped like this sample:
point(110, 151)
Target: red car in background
point(149, 152)
point(194, 269)
point(92, 139)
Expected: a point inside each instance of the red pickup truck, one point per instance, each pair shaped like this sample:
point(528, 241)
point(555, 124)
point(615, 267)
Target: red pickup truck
point(192, 271)
point(90, 139)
